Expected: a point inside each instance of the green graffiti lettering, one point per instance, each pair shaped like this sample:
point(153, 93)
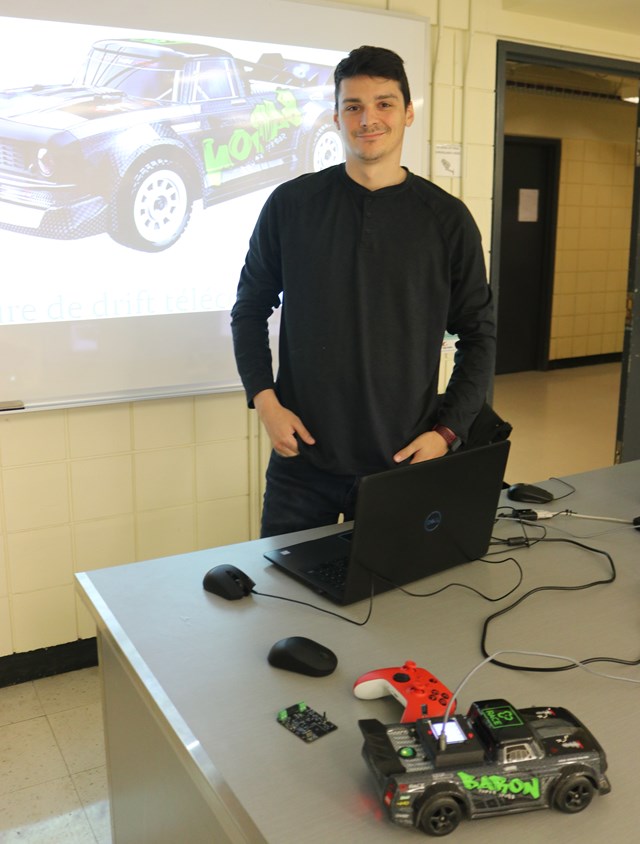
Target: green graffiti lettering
point(268, 121)
point(242, 143)
point(290, 110)
point(215, 160)
point(529, 789)
point(500, 785)
point(468, 781)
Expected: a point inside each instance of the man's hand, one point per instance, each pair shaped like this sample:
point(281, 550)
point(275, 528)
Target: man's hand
point(424, 447)
point(281, 424)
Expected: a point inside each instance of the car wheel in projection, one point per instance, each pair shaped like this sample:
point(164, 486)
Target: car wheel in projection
point(153, 208)
point(325, 148)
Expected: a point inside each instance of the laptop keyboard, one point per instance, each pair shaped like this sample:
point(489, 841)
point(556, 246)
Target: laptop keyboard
point(332, 573)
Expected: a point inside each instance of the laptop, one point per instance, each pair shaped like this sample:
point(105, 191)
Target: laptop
point(410, 522)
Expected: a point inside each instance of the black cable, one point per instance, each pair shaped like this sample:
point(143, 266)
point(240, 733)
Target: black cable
point(572, 489)
point(321, 609)
point(605, 581)
point(463, 585)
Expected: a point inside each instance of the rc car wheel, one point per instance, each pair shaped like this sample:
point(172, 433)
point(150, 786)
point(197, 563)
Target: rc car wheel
point(573, 794)
point(153, 208)
point(325, 148)
point(438, 816)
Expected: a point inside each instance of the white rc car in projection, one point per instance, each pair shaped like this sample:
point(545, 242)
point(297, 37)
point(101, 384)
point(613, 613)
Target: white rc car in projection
point(148, 127)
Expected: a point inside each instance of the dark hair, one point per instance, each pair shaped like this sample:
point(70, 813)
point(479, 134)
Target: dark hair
point(373, 61)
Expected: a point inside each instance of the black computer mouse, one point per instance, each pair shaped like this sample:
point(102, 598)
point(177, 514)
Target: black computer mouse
point(529, 493)
point(302, 655)
point(228, 581)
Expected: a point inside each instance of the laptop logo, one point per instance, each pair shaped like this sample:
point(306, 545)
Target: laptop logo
point(433, 521)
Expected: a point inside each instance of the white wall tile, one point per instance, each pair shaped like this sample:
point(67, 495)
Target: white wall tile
point(221, 416)
point(102, 487)
point(164, 478)
point(6, 638)
point(32, 438)
point(223, 522)
point(44, 618)
point(86, 624)
point(162, 424)
point(36, 496)
point(100, 430)
point(104, 542)
point(40, 559)
point(164, 532)
point(477, 164)
point(222, 470)
point(4, 583)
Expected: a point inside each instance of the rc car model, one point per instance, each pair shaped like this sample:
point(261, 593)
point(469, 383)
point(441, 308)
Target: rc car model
point(148, 127)
point(494, 760)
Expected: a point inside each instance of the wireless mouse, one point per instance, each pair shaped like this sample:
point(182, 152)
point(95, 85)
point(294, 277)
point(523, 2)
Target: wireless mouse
point(302, 655)
point(529, 493)
point(228, 581)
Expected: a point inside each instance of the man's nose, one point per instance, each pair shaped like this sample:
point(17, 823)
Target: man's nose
point(367, 116)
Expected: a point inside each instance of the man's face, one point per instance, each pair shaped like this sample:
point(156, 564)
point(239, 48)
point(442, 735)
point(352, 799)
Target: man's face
point(371, 116)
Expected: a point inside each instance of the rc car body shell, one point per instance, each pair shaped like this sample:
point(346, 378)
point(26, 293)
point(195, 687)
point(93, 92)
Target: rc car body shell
point(70, 155)
point(508, 761)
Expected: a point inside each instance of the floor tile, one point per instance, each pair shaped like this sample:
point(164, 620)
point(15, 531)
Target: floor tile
point(67, 691)
point(93, 788)
point(19, 703)
point(49, 813)
point(564, 421)
point(80, 736)
point(29, 755)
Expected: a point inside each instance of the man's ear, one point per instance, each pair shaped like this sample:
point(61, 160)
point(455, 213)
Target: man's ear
point(410, 114)
point(336, 119)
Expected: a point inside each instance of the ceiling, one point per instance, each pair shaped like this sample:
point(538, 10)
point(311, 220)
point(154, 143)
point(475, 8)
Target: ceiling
point(620, 15)
point(568, 82)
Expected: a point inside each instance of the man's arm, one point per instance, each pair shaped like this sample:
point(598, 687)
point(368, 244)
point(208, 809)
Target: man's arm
point(425, 447)
point(472, 319)
point(257, 297)
point(281, 424)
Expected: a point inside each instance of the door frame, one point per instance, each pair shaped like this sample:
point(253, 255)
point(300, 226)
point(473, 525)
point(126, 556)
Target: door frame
point(627, 446)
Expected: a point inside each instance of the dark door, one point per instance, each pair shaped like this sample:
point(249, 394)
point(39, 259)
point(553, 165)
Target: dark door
point(527, 245)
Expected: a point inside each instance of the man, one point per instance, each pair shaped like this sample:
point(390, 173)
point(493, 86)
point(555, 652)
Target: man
point(374, 263)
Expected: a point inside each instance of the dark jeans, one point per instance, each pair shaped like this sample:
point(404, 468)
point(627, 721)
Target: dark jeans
point(298, 496)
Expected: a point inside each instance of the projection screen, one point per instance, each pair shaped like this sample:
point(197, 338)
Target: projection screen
point(137, 146)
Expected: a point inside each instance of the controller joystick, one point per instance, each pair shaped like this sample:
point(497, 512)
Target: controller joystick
point(422, 694)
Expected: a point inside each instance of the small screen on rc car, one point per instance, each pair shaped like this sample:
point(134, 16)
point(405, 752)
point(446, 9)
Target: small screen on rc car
point(453, 731)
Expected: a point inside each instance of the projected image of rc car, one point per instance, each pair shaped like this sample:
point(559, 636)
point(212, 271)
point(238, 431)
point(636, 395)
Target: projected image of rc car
point(497, 760)
point(150, 126)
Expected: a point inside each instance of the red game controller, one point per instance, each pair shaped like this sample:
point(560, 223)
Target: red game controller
point(424, 695)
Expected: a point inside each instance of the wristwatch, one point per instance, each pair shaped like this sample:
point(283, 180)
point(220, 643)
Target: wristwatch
point(452, 441)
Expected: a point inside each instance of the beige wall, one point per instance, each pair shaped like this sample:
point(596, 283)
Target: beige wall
point(594, 215)
point(92, 487)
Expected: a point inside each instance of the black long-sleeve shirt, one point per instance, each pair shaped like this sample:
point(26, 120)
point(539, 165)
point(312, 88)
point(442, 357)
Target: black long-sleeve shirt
point(369, 280)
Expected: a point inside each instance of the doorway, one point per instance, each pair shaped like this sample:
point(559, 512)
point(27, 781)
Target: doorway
point(528, 225)
point(626, 443)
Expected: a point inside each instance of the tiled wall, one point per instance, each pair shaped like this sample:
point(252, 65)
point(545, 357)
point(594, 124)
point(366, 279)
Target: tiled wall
point(93, 487)
point(592, 254)
point(594, 215)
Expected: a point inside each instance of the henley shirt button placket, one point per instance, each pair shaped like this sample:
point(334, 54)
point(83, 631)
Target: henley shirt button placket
point(367, 230)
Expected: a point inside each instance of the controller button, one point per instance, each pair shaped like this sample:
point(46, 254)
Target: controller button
point(407, 752)
point(401, 678)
